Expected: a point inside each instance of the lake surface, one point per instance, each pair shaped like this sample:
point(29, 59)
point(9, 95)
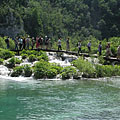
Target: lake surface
point(25, 99)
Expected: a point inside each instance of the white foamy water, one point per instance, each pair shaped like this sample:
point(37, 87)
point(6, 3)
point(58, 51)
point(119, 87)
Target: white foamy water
point(4, 71)
point(66, 62)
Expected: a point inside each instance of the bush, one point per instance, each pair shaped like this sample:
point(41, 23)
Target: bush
point(1, 61)
point(51, 73)
point(56, 67)
point(24, 56)
point(27, 71)
point(5, 54)
point(2, 43)
point(11, 63)
point(107, 70)
point(40, 69)
point(85, 67)
point(32, 58)
point(68, 72)
point(17, 71)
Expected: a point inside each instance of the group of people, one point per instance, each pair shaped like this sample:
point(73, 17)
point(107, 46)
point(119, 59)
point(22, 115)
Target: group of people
point(27, 43)
point(40, 42)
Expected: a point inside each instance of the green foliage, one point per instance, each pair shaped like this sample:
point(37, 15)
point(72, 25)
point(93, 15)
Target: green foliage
point(1, 61)
point(5, 54)
point(17, 71)
point(107, 70)
point(33, 55)
point(101, 60)
point(2, 43)
point(66, 18)
point(11, 63)
point(51, 73)
point(40, 69)
point(85, 67)
point(27, 71)
point(44, 69)
point(68, 72)
point(56, 67)
point(24, 56)
point(32, 58)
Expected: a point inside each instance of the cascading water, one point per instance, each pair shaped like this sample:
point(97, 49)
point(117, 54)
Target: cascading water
point(4, 71)
point(64, 60)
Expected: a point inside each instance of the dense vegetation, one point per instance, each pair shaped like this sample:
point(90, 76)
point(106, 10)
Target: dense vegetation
point(75, 18)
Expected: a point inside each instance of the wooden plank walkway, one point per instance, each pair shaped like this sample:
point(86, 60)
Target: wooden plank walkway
point(111, 59)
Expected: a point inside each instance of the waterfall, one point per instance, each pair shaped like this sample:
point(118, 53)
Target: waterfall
point(63, 60)
point(4, 71)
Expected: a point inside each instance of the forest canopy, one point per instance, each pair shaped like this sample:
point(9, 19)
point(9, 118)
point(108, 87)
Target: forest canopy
point(55, 18)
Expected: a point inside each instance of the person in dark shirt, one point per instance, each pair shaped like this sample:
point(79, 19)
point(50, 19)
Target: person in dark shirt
point(7, 42)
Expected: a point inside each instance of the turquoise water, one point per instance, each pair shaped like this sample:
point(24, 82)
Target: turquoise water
point(60, 100)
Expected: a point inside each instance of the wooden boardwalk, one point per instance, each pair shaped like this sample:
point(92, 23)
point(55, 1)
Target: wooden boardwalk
point(111, 59)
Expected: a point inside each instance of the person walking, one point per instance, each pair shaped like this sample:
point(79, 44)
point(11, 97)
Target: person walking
point(24, 43)
point(28, 42)
point(118, 52)
point(7, 42)
point(79, 47)
point(59, 44)
point(20, 43)
point(46, 42)
point(67, 44)
point(100, 49)
point(108, 50)
point(16, 43)
point(89, 46)
point(33, 42)
point(37, 42)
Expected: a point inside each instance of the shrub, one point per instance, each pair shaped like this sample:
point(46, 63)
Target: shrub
point(27, 71)
point(107, 70)
point(32, 58)
point(56, 67)
point(11, 63)
point(1, 61)
point(24, 56)
point(17, 71)
point(18, 61)
point(51, 73)
point(2, 43)
point(40, 69)
point(44, 56)
point(68, 72)
point(5, 54)
point(85, 67)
